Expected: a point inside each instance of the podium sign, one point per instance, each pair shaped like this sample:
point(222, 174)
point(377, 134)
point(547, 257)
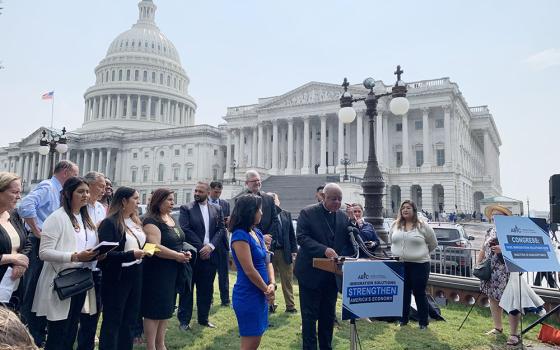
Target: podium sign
point(526, 246)
point(372, 288)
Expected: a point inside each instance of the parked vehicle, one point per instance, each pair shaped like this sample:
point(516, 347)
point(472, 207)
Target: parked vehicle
point(454, 254)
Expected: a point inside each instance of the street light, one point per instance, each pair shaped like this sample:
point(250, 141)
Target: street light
point(51, 143)
point(346, 162)
point(373, 184)
point(233, 167)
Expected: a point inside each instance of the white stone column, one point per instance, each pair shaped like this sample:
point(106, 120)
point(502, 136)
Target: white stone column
point(139, 107)
point(86, 110)
point(92, 160)
point(275, 137)
point(331, 160)
point(426, 140)
point(128, 106)
point(84, 169)
point(176, 115)
point(118, 166)
point(228, 153)
point(313, 146)
point(79, 161)
point(379, 151)
point(32, 168)
point(47, 167)
point(260, 147)
point(108, 162)
point(290, 163)
point(305, 166)
point(386, 150)
point(100, 161)
point(405, 148)
point(323, 157)
point(168, 112)
point(106, 107)
point(25, 172)
point(40, 168)
point(254, 150)
point(95, 108)
point(487, 154)
point(119, 107)
point(359, 138)
point(447, 126)
point(241, 156)
point(340, 141)
point(149, 109)
point(158, 110)
point(298, 149)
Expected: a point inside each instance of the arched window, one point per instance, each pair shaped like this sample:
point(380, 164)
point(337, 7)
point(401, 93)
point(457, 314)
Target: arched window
point(133, 174)
point(189, 170)
point(145, 78)
point(136, 75)
point(161, 154)
point(120, 74)
point(168, 80)
point(161, 78)
point(153, 77)
point(161, 172)
point(112, 75)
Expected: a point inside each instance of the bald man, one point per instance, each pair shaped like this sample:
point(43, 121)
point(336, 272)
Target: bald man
point(322, 232)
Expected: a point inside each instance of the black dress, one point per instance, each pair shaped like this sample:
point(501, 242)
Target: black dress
point(161, 275)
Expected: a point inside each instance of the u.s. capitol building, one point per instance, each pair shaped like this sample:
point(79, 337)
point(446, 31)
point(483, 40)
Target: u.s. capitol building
point(139, 128)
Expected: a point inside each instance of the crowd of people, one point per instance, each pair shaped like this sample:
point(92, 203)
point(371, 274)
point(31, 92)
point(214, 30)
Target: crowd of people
point(136, 267)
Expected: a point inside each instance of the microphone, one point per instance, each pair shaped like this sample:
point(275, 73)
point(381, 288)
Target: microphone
point(355, 234)
point(353, 240)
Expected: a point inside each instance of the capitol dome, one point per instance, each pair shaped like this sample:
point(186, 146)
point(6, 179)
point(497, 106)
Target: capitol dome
point(140, 84)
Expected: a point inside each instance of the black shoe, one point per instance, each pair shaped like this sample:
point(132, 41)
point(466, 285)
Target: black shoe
point(403, 324)
point(208, 324)
point(226, 304)
point(291, 311)
point(272, 308)
point(185, 327)
point(424, 327)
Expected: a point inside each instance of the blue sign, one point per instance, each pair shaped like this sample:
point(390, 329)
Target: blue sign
point(372, 288)
point(526, 245)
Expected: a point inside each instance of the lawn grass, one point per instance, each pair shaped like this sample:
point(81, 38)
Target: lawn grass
point(285, 332)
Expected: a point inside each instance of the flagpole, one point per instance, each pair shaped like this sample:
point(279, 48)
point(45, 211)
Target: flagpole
point(52, 110)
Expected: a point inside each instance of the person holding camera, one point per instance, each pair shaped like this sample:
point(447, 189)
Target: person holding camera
point(495, 286)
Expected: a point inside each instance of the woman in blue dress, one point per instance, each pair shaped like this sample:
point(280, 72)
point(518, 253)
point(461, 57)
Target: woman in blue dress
point(255, 286)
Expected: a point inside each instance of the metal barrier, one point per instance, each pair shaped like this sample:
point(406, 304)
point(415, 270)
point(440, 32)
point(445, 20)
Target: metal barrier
point(454, 261)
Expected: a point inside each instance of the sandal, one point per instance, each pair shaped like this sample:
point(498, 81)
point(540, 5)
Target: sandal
point(513, 340)
point(495, 331)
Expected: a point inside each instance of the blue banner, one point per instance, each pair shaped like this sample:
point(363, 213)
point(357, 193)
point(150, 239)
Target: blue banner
point(372, 288)
point(526, 245)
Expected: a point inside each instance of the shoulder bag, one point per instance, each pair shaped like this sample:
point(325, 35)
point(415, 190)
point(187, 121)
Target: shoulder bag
point(483, 271)
point(73, 281)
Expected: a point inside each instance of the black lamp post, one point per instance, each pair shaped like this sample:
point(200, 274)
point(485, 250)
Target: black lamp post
point(51, 143)
point(346, 162)
point(233, 167)
point(373, 184)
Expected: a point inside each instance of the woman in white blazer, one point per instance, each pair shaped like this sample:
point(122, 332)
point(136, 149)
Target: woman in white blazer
point(66, 241)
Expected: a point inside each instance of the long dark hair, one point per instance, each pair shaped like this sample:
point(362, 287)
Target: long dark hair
point(243, 216)
point(400, 222)
point(116, 208)
point(154, 208)
point(70, 185)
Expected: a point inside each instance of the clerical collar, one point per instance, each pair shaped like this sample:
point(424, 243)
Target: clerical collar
point(325, 209)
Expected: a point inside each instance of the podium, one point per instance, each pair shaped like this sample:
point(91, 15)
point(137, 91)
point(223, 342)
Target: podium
point(371, 286)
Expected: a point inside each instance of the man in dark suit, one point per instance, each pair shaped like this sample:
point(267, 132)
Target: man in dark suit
point(223, 252)
point(284, 246)
point(203, 225)
point(269, 220)
point(322, 232)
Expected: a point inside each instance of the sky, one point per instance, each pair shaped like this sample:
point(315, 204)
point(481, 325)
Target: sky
point(504, 54)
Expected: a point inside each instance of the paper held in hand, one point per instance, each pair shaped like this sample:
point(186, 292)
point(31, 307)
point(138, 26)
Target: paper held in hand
point(105, 247)
point(150, 249)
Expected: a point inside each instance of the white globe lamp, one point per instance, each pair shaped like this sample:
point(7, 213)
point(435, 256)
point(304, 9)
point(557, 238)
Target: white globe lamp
point(399, 105)
point(347, 115)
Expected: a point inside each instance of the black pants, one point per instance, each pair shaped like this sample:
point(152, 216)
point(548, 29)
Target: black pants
point(318, 307)
point(121, 308)
point(37, 324)
point(204, 273)
point(415, 281)
point(223, 275)
point(549, 278)
point(62, 334)
point(88, 323)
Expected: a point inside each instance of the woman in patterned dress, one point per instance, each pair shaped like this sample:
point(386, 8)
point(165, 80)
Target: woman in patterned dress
point(495, 286)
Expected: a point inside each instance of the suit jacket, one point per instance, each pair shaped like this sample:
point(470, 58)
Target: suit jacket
point(224, 206)
point(314, 236)
point(286, 238)
point(269, 219)
point(6, 243)
point(192, 223)
point(111, 265)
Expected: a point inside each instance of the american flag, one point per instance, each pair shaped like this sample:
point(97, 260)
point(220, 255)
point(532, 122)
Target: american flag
point(48, 95)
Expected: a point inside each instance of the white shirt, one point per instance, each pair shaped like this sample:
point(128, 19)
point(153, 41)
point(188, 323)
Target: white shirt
point(97, 212)
point(206, 218)
point(133, 237)
point(86, 238)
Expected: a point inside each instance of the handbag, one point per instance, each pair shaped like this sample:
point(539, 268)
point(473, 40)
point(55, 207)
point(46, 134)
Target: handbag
point(483, 271)
point(73, 281)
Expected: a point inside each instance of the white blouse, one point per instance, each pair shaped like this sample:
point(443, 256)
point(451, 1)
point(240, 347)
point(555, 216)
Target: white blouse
point(86, 238)
point(135, 239)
